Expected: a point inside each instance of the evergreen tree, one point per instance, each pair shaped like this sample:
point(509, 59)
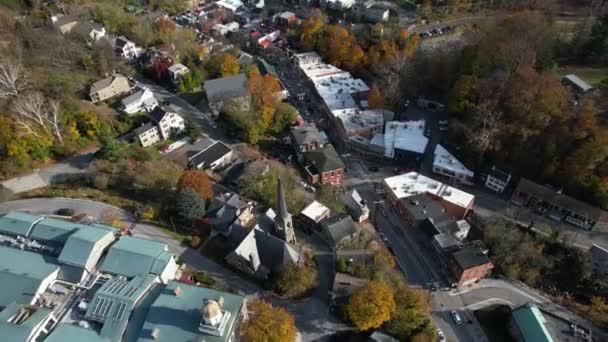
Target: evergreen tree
point(190, 206)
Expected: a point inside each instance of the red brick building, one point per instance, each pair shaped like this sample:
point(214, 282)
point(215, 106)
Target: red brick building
point(469, 265)
point(324, 166)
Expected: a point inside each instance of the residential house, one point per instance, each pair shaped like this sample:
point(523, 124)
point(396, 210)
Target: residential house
point(469, 264)
point(227, 209)
point(599, 260)
point(338, 230)
point(456, 202)
point(577, 84)
point(176, 71)
point(162, 126)
point(314, 213)
point(529, 325)
point(324, 166)
point(370, 11)
point(233, 88)
point(285, 19)
point(557, 206)
point(356, 206)
point(445, 164)
point(336, 4)
point(108, 88)
point(213, 157)
point(305, 138)
point(183, 313)
point(142, 100)
point(64, 23)
point(497, 180)
point(344, 286)
point(96, 31)
point(126, 48)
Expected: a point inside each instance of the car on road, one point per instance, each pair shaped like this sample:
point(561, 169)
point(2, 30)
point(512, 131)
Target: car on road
point(456, 317)
point(373, 169)
point(440, 335)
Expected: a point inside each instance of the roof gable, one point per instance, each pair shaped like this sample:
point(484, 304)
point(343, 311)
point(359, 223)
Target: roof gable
point(17, 223)
point(131, 256)
point(79, 245)
point(54, 230)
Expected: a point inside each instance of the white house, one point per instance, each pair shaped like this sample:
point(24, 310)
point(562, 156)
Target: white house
point(97, 31)
point(445, 164)
point(126, 48)
point(497, 180)
point(162, 126)
point(141, 100)
point(177, 70)
point(213, 157)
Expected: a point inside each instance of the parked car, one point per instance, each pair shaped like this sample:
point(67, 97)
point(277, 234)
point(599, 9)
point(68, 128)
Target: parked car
point(440, 335)
point(65, 212)
point(456, 317)
point(373, 169)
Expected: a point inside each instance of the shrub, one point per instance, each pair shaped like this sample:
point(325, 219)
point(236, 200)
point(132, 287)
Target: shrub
point(195, 242)
point(203, 278)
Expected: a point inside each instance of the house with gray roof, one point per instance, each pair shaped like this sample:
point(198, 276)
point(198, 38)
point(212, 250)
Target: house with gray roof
point(356, 206)
point(324, 166)
point(233, 88)
point(305, 138)
point(83, 250)
point(163, 125)
point(108, 88)
point(131, 256)
point(183, 313)
point(142, 100)
point(338, 230)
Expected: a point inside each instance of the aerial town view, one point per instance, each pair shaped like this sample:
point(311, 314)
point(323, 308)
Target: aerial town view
point(304, 170)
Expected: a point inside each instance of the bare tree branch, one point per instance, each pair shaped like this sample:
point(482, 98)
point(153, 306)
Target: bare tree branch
point(34, 114)
point(13, 79)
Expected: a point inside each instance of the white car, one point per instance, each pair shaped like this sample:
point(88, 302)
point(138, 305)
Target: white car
point(440, 336)
point(456, 317)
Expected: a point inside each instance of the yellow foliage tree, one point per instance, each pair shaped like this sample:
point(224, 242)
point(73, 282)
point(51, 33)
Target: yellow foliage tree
point(264, 92)
point(268, 324)
point(375, 99)
point(371, 306)
point(312, 30)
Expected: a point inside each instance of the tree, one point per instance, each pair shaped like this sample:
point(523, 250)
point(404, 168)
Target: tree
point(293, 280)
point(190, 206)
point(197, 181)
point(383, 260)
point(331, 197)
point(13, 79)
point(264, 91)
point(598, 309)
point(371, 306)
point(268, 324)
point(375, 98)
point(170, 6)
point(312, 30)
point(412, 314)
point(35, 115)
point(192, 130)
point(284, 116)
point(223, 65)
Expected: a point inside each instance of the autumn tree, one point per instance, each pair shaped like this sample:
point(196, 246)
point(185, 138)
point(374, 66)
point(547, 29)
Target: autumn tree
point(13, 79)
point(295, 280)
point(284, 116)
point(312, 30)
point(371, 306)
point(197, 181)
point(375, 99)
point(267, 323)
point(265, 96)
point(412, 315)
point(383, 260)
point(223, 65)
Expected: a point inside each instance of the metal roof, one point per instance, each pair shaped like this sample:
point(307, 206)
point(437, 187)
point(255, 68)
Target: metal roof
point(21, 273)
point(79, 245)
point(54, 230)
point(17, 223)
point(531, 324)
point(72, 333)
point(177, 317)
point(113, 302)
point(227, 87)
point(131, 256)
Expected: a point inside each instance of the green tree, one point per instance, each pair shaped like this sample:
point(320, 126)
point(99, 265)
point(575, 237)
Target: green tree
point(371, 306)
point(294, 281)
point(189, 206)
point(284, 116)
point(331, 197)
point(192, 130)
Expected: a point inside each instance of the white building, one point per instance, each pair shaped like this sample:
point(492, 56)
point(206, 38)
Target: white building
point(126, 48)
point(97, 31)
point(141, 100)
point(162, 126)
point(445, 164)
point(357, 122)
point(177, 70)
point(403, 140)
point(315, 212)
point(337, 4)
point(497, 180)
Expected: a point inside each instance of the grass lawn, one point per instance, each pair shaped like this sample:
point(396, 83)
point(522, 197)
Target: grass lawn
point(593, 76)
point(495, 322)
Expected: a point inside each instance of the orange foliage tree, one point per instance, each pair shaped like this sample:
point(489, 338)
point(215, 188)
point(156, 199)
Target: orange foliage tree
point(371, 306)
point(268, 324)
point(197, 181)
point(265, 96)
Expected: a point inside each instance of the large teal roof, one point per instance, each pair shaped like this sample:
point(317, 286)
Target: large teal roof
point(177, 317)
point(72, 333)
point(20, 332)
point(531, 324)
point(79, 245)
point(114, 301)
point(21, 273)
point(54, 230)
point(17, 223)
point(131, 256)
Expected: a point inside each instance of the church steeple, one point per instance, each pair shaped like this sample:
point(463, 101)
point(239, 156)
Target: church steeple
point(283, 223)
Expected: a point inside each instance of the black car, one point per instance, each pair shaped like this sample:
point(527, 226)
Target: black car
point(373, 168)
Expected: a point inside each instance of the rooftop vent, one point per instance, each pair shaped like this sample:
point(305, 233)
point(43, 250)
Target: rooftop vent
point(177, 291)
point(156, 333)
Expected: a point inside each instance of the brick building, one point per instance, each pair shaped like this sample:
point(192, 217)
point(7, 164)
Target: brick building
point(469, 265)
point(324, 166)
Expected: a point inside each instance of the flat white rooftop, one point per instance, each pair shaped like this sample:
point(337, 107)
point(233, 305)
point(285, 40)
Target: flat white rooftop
point(354, 119)
point(406, 136)
point(445, 160)
point(413, 183)
point(316, 211)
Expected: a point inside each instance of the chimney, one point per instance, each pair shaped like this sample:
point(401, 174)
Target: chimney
point(156, 333)
point(177, 291)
